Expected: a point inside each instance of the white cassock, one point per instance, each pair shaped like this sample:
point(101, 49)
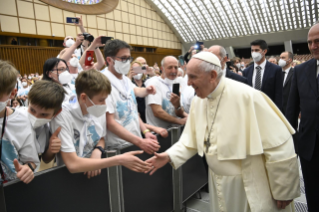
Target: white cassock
point(251, 156)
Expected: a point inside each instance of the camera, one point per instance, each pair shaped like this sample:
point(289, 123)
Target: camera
point(88, 37)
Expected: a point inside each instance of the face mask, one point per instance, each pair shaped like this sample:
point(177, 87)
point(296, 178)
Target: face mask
point(282, 63)
point(24, 84)
point(36, 122)
point(96, 110)
point(138, 76)
point(69, 43)
point(3, 104)
point(29, 78)
point(238, 65)
point(74, 62)
point(65, 78)
point(256, 56)
point(122, 68)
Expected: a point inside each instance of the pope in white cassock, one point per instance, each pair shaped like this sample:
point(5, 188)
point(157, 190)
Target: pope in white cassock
point(245, 138)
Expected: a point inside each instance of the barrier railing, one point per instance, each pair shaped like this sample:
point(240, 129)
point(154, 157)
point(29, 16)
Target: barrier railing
point(117, 189)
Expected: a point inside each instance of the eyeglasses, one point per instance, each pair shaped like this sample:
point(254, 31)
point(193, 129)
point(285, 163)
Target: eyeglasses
point(60, 69)
point(125, 59)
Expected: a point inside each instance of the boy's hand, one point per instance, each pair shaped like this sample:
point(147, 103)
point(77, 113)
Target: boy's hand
point(55, 142)
point(97, 155)
point(24, 173)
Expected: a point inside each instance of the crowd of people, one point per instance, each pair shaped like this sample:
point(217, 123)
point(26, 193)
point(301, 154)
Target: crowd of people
point(233, 112)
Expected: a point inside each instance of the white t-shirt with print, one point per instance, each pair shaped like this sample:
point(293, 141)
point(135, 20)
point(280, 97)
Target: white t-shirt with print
point(70, 92)
point(122, 103)
point(18, 142)
point(162, 98)
point(79, 133)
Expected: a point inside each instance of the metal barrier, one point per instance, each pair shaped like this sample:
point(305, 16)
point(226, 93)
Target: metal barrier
point(117, 189)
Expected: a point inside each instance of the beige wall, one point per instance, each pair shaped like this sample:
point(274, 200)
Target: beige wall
point(133, 21)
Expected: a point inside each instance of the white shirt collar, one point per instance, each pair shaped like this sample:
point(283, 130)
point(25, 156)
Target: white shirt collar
point(261, 65)
point(224, 71)
point(287, 70)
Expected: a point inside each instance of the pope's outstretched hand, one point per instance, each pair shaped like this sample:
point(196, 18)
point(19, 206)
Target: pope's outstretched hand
point(158, 161)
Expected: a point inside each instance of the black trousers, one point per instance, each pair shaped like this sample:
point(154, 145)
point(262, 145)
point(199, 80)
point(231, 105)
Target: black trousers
point(310, 172)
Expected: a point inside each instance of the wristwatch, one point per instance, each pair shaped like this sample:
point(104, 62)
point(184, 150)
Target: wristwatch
point(102, 150)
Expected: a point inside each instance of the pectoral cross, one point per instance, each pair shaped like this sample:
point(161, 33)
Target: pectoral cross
point(207, 143)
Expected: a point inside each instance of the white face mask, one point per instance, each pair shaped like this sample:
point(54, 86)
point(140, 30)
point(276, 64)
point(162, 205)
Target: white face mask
point(282, 63)
point(24, 84)
point(69, 43)
point(74, 62)
point(36, 122)
point(238, 65)
point(96, 110)
point(256, 56)
point(138, 76)
point(3, 104)
point(65, 78)
point(29, 77)
point(122, 68)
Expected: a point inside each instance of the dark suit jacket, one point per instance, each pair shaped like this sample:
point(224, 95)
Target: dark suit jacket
point(304, 98)
point(271, 82)
point(236, 77)
point(286, 90)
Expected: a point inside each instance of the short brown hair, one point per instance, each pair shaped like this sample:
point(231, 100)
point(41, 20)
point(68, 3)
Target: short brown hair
point(234, 59)
point(8, 77)
point(92, 82)
point(47, 95)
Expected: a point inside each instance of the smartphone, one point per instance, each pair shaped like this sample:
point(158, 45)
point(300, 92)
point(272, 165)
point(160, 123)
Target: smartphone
point(89, 58)
point(72, 20)
point(176, 88)
point(228, 64)
point(198, 44)
point(104, 39)
point(181, 60)
point(139, 69)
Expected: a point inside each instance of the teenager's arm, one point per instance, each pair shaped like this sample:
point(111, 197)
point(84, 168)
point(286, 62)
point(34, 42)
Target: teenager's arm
point(148, 145)
point(77, 164)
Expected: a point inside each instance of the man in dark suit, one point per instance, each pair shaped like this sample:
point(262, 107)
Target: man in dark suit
point(220, 52)
point(304, 99)
point(264, 75)
point(285, 61)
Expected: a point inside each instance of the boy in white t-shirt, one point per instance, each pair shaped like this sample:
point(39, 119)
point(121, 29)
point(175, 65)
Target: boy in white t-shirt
point(164, 108)
point(123, 122)
point(18, 153)
point(83, 127)
point(45, 102)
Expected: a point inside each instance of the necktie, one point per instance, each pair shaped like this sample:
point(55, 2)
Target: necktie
point(258, 78)
point(283, 77)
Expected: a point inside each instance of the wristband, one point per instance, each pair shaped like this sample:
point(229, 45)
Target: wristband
point(100, 148)
point(146, 131)
point(31, 167)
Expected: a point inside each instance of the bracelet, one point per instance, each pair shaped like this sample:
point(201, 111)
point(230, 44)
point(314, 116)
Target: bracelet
point(31, 167)
point(146, 131)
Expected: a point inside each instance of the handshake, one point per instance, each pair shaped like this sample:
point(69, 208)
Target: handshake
point(130, 161)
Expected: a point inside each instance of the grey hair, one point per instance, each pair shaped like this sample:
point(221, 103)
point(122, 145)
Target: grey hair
point(207, 67)
point(222, 52)
point(272, 57)
point(163, 60)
